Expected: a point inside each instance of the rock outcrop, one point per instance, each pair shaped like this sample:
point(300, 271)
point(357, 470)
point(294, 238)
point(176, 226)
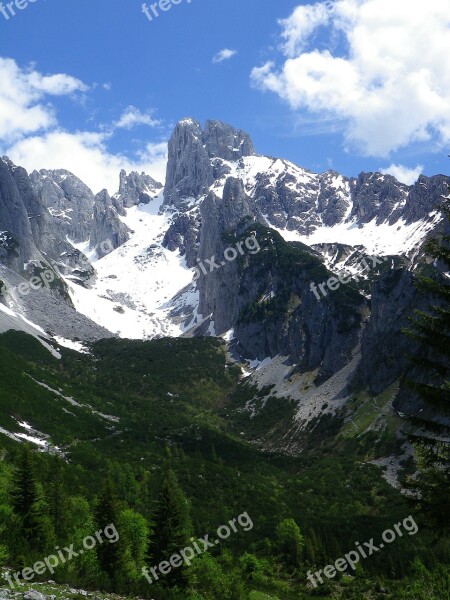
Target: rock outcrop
point(190, 166)
point(108, 231)
point(135, 189)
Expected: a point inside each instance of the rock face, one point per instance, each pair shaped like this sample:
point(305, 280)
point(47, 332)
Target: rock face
point(16, 238)
point(197, 157)
point(68, 199)
point(376, 196)
point(184, 235)
point(190, 167)
point(189, 171)
point(32, 243)
point(219, 195)
point(223, 141)
point(217, 188)
point(218, 288)
point(135, 189)
point(384, 349)
point(264, 293)
point(31, 233)
point(108, 231)
point(424, 196)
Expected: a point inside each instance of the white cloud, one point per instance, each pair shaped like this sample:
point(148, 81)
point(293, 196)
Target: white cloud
point(403, 173)
point(32, 137)
point(85, 154)
point(22, 110)
point(303, 22)
point(391, 87)
point(224, 54)
point(132, 116)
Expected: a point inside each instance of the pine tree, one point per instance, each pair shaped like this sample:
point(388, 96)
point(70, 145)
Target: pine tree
point(31, 507)
point(25, 493)
point(110, 556)
point(5, 510)
point(432, 330)
point(58, 499)
point(171, 526)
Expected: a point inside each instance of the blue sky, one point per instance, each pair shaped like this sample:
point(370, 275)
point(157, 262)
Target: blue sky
point(94, 85)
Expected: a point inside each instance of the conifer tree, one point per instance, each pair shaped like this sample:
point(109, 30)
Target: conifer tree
point(108, 513)
point(25, 493)
point(58, 500)
point(30, 505)
point(432, 330)
point(5, 510)
point(171, 526)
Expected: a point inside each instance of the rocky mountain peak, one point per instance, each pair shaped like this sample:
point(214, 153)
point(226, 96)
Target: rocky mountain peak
point(192, 152)
point(108, 231)
point(136, 188)
point(226, 142)
point(69, 200)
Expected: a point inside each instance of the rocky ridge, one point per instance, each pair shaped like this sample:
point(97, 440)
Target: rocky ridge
point(219, 192)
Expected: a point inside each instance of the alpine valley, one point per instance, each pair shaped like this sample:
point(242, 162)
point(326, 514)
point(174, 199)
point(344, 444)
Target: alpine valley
point(141, 360)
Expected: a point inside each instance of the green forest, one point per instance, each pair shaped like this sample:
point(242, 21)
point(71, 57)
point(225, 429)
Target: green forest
point(172, 466)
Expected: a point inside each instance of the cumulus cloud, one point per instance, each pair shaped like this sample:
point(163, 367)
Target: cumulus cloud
point(302, 24)
point(32, 137)
point(388, 81)
point(86, 155)
point(224, 54)
point(132, 116)
point(403, 173)
point(22, 110)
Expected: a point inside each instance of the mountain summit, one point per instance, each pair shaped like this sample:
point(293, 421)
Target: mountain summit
point(134, 264)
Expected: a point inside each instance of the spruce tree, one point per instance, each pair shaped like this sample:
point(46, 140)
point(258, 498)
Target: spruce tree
point(432, 330)
point(108, 513)
point(31, 507)
point(171, 527)
point(25, 493)
point(58, 499)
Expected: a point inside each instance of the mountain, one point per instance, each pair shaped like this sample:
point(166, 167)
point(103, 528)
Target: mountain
point(228, 342)
point(233, 245)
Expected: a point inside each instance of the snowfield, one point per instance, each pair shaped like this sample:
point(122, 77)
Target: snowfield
point(136, 282)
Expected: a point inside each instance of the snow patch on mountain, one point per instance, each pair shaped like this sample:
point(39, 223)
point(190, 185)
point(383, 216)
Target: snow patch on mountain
point(380, 240)
point(32, 435)
point(135, 284)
